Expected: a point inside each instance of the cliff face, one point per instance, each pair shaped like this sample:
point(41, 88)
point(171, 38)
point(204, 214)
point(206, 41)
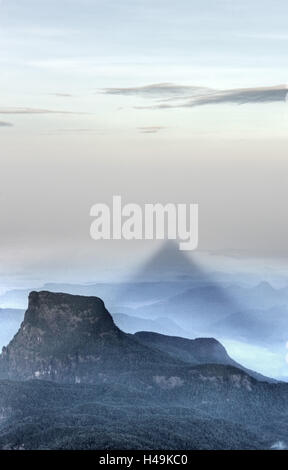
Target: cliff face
point(60, 338)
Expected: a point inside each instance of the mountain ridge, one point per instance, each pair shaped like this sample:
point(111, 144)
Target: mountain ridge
point(196, 351)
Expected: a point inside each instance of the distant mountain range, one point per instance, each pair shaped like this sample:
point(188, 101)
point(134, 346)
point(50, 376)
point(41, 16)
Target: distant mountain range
point(266, 327)
point(163, 325)
point(10, 320)
point(256, 314)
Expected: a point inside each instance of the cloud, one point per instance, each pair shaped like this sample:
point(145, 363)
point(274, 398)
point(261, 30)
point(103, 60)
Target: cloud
point(171, 95)
point(242, 96)
point(279, 445)
point(5, 124)
point(150, 129)
point(61, 95)
point(156, 90)
point(35, 111)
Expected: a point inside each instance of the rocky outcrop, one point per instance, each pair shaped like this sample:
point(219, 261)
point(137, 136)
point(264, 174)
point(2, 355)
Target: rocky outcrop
point(61, 338)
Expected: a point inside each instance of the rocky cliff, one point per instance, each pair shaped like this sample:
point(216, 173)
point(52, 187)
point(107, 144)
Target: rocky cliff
point(65, 338)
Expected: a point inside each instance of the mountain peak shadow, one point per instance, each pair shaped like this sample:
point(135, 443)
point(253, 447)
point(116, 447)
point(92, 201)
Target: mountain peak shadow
point(168, 263)
point(180, 289)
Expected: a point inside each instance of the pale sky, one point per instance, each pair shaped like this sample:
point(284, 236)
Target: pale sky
point(51, 50)
point(156, 100)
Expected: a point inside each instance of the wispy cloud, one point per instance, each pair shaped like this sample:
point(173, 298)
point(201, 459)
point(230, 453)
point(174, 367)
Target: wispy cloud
point(150, 129)
point(174, 96)
point(62, 95)
point(5, 124)
point(156, 90)
point(171, 95)
point(35, 111)
point(242, 96)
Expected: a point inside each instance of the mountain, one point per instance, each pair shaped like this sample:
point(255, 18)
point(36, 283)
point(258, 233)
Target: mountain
point(71, 379)
point(70, 338)
point(73, 339)
point(195, 308)
point(45, 415)
point(219, 408)
point(257, 314)
point(266, 327)
point(194, 351)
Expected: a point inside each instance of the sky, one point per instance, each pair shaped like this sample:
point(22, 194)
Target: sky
point(158, 101)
